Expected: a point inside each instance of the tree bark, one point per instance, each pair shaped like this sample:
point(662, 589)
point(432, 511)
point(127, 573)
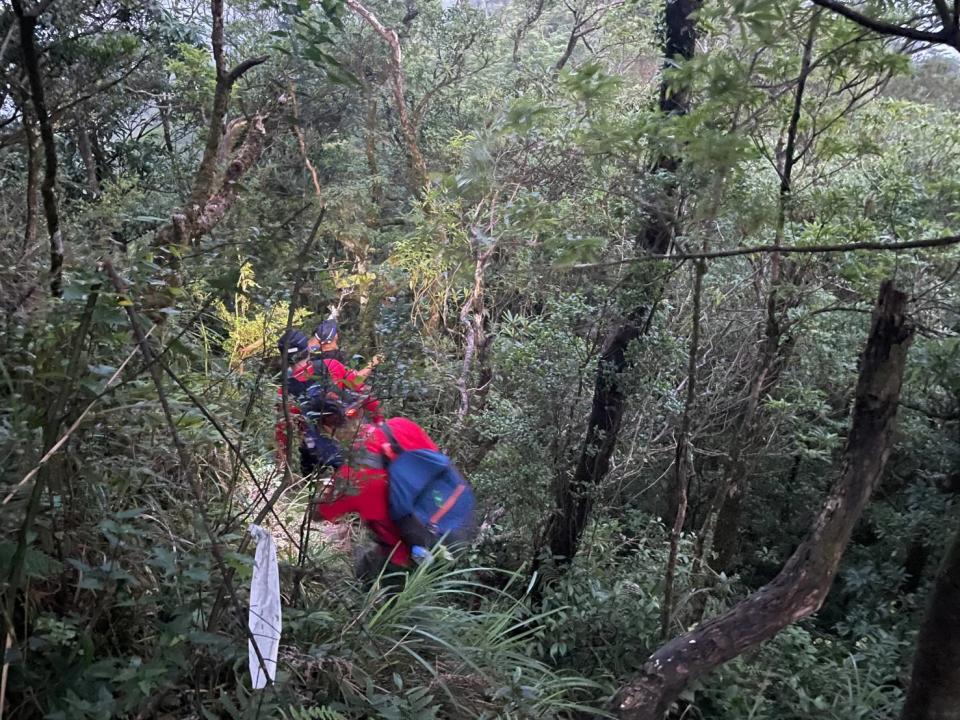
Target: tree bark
point(217, 204)
point(471, 317)
point(934, 692)
point(370, 148)
point(48, 189)
point(527, 23)
point(575, 496)
point(85, 148)
point(33, 172)
point(802, 585)
point(196, 218)
point(679, 46)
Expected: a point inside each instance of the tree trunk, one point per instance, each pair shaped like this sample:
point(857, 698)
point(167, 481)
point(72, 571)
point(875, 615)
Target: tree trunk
point(802, 585)
point(206, 205)
point(85, 148)
point(418, 166)
point(471, 317)
point(575, 495)
point(934, 692)
point(370, 148)
point(48, 189)
point(33, 173)
point(679, 45)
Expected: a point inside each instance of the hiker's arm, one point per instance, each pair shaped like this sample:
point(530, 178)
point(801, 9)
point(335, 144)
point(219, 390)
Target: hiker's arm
point(365, 373)
point(331, 511)
point(332, 508)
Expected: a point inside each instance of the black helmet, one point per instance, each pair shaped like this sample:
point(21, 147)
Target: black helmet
point(326, 331)
point(293, 342)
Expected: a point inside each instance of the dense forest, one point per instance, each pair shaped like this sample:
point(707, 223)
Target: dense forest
point(676, 285)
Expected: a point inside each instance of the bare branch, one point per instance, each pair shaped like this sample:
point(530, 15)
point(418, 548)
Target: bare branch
point(241, 68)
point(881, 26)
point(940, 242)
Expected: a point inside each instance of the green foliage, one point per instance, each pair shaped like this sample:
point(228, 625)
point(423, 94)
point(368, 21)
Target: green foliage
point(535, 171)
point(312, 713)
point(193, 78)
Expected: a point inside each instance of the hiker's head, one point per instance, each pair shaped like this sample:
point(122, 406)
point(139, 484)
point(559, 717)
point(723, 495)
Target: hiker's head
point(324, 408)
point(294, 343)
point(349, 429)
point(326, 336)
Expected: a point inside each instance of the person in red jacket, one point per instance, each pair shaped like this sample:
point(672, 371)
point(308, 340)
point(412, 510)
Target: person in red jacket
point(350, 380)
point(324, 345)
point(363, 489)
point(303, 372)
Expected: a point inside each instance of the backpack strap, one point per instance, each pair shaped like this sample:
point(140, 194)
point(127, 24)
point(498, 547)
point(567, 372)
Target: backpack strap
point(391, 438)
point(450, 502)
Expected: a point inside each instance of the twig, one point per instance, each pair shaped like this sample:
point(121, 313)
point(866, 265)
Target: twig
point(6, 670)
point(237, 451)
point(681, 458)
point(288, 475)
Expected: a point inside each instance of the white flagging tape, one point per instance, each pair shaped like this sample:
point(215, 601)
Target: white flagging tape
point(264, 618)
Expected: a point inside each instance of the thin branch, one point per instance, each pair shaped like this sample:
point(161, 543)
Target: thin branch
point(681, 461)
point(55, 448)
point(527, 23)
point(940, 242)
point(214, 616)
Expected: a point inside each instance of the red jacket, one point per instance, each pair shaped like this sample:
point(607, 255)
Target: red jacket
point(303, 371)
point(344, 377)
point(372, 492)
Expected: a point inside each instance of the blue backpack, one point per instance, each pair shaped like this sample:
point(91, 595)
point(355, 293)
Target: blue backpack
point(429, 498)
